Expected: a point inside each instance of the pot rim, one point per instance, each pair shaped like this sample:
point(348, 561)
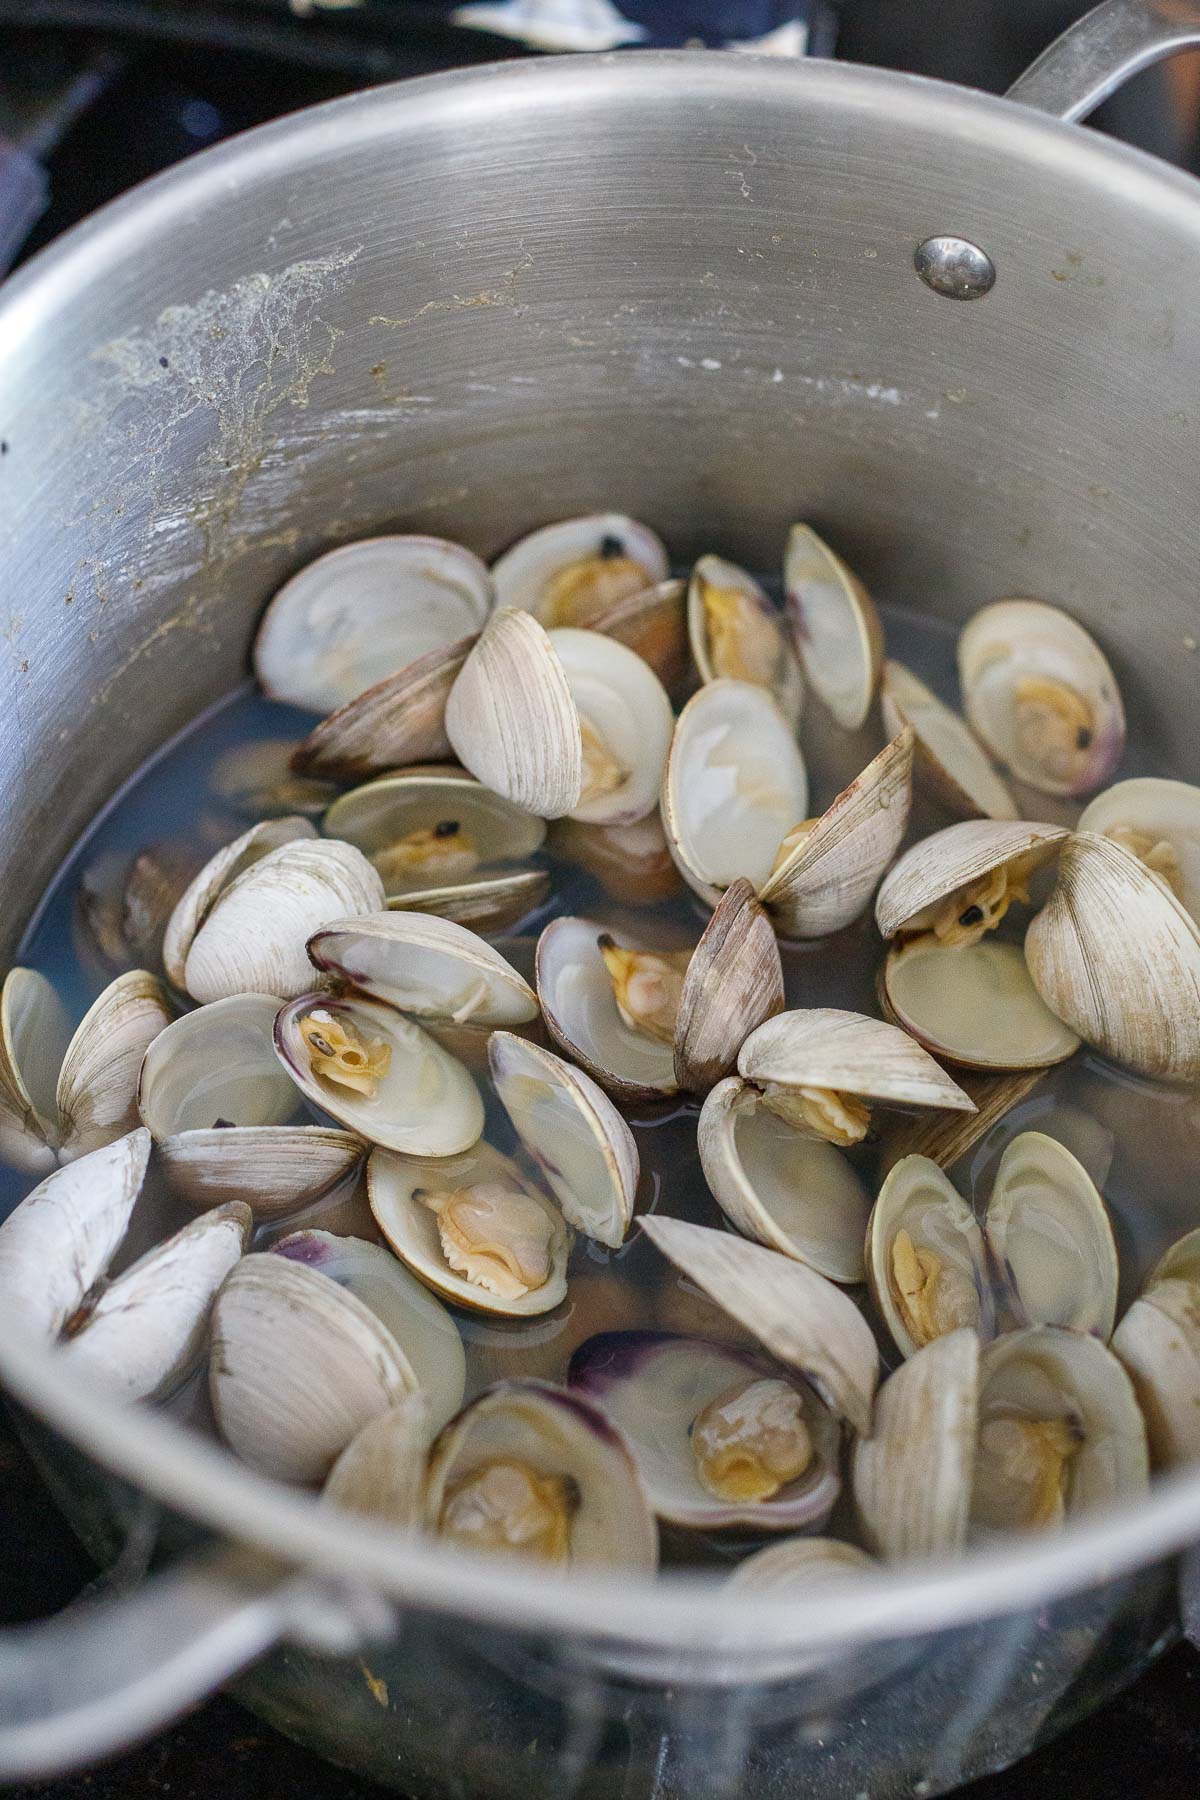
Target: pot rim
point(728, 1639)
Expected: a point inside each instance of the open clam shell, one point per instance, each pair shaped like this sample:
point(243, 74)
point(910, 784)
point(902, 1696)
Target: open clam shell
point(511, 718)
point(220, 872)
point(399, 721)
point(836, 627)
point(381, 1472)
point(423, 1102)
point(791, 1193)
point(626, 723)
point(913, 1475)
point(1159, 821)
point(949, 761)
point(736, 632)
point(826, 881)
point(1038, 690)
point(580, 1010)
point(1060, 1431)
point(1052, 1237)
point(426, 966)
point(1158, 1344)
point(574, 1133)
point(359, 613)
point(974, 1004)
point(943, 1284)
point(735, 786)
point(733, 982)
point(653, 623)
point(223, 1113)
point(575, 570)
point(298, 1367)
point(1116, 957)
point(983, 862)
point(498, 1252)
point(846, 1053)
point(581, 1466)
point(802, 1319)
point(419, 1323)
point(657, 1389)
point(800, 1568)
point(148, 1329)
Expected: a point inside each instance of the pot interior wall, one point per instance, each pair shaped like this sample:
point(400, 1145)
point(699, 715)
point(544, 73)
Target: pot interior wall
point(678, 285)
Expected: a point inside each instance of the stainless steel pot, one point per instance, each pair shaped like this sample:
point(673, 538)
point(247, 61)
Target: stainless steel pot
point(686, 285)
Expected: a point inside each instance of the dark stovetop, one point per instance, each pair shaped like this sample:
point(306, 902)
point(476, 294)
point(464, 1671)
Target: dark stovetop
point(107, 93)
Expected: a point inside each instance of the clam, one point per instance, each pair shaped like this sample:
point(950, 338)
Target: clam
point(258, 781)
point(399, 721)
point(627, 860)
point(242, 925)
point(1159, 821)
point(625, 724)
point(1044, 1255)
point(913, 1476)
point(420, 1324)
point(1038, 690)
point(735, 786)
point(473, 1229)
point(381, 1472)
point(1158, 1343)
point(62, 1093)
point(959, 883)
point(359, 613)
point(426, 966)
point(949, 761)
point(836, 627)
point(826, 869)
point(511, 718)
point(800, 1568)
point(298, 1366)
point(722, 1438)
point(378, 1074)
point(732, 983)
point(653, 623)
point(800, 1318)
point(1116, 957)
point(574, 571)
point(223, 1113)
point(736, 633)
point(575, 1135)
point(532, 1471)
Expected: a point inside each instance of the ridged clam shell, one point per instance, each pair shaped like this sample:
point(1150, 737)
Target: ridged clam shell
point(935, 867)
point(381, 1472)
point(400, 720)
point(1161, 809)
point(948, 760)
point(733, 983)
point(511, 718)
point(219, 873)
point(913, 1475)
point(800, 1568)
point(98, 1081)
point(850, 1053)
point(1158, 1344)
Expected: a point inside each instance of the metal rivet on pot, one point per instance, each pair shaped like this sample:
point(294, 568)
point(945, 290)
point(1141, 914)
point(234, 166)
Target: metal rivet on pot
point(955, 267)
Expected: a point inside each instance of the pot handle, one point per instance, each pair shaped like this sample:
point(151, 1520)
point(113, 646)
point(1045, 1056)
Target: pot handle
point(1101, 51)
point(108, 1672)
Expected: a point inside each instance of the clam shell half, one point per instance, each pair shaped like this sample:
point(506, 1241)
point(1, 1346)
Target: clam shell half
point(581, 1015)
point(511, 718)
point(974, 1004)
point(836, 627)
point(850, 1053)
point(400, 720)
point(913, 1475)
point(1161, 812)
point(949, 761)
point(426, 966)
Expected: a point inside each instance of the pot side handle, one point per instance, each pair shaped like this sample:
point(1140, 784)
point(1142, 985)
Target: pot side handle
point(1101, 51)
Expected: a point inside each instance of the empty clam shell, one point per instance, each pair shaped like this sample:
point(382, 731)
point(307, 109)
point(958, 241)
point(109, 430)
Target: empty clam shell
point(949, 762)
point(383, 1078)
point(980, 866)
point(802, 1319)
point(836, 627)
point(722, 1438)
point(735, 632)
point(1159, 821)
point(846, 1053)
point(654, 624)
point(1116, 957)
point(574, 1133)
point(824, 882)
point(626, 722)
point(359, 613)
point(800, 1567)
point(735, 786)
point(732, 983)
point(218, 873)
point(1158, 1344)
point(223, 1113)
point(580, 1009)
point(913, 1475)
point(426, 966)
point(575, 570)
point(148, 1329)
point(789, 1192)
point(473, 1229)
point(974, 1004)
point(1038, 690)
point(511, 718)
point(532, 1470)
point(298, 1367)
point(420, 1324)
point(399, 721)
point(381, 1472)
point(258, 781)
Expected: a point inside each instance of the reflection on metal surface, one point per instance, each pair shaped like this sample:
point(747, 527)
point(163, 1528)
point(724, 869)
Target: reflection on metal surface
point(955, 267)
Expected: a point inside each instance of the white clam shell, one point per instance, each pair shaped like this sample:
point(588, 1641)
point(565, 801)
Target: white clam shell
point(512, 721)
point(425, 1105)
point(578, 1005)
point(393, 1183)
point(652, 1385)
point(936, 866)
point(733, 982)
point(836, 627)
point(1014, 640)
point(800, 1568)
point(420, 1324)
point(553, 1433)
point(735, 786)
point(148, 1329)
point(359, 613)
point(400, 720)
point(1158, 1344)
point(1051, 1233)
point(949, 761)
point(381, 1472)
point(974, 1004)
point(913, 1475)
point(34, 1034)
point(524, 573)
point(802, 1319)
point(411, 800)
point(828, 879)
point(852, 1054)
point(298, 1367)
point(426, 966)
point(787, 689)
point(1167, 810)
point(626, 705)
point(919, 1198)
point(218, 873)
point(786, 1191)
point(574, 1133)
